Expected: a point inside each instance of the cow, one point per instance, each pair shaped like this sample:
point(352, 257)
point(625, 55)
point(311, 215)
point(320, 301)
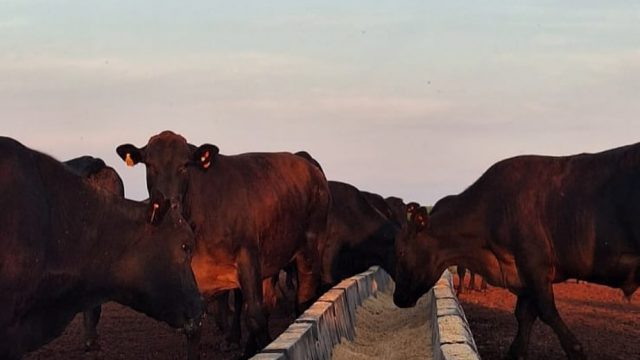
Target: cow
point(252, 214)
point(358, 235)
point(361, 230)
point(68, 247)
point(528, 222)
point(461, 270)
point(97, 173)
point(401, 211)
point(101, 176)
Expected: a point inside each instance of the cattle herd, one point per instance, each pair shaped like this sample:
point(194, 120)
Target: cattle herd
point(218, 227)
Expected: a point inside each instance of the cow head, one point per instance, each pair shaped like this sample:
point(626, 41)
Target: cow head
point(154, 274)
point(416, 261)
point(168, 158)
point(412, 208)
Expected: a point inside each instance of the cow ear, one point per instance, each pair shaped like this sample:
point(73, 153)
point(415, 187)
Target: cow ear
point(158, 208)
point(204, 155)
point(130, 154)
point(421, 219)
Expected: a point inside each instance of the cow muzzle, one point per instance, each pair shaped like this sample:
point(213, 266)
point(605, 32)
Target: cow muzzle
point(402, 301)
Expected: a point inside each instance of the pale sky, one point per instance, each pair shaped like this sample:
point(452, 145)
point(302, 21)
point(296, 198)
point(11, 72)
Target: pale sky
point(407, 98)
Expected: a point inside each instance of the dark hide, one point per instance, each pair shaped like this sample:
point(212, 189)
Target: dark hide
point(359, 235)
point(360, 231)
point(531, 221)
point(68, 247)
point(253, 214)
point(103, 177)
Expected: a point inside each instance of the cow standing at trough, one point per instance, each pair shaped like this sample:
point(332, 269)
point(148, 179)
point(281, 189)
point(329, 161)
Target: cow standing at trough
point(68, 247)
point(358, 235)
point(528, 222)
point(252, 214)
point(101, 176)
point(361, 230)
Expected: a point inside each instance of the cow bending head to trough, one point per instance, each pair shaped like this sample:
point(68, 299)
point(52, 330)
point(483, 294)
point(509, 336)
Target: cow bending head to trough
point(528, 222)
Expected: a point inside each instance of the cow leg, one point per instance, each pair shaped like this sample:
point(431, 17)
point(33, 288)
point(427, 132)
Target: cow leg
point(220, 310)
point(91, 318)
point(483, 285)
point(289, 287)
point(250, 276)
point(461, 270)
point(472, 281)
point(291, 276)
point(193, 342)
point(234, 334)
point(549, 314)
point(308, 281)
point(329, 259)
point(526, 314)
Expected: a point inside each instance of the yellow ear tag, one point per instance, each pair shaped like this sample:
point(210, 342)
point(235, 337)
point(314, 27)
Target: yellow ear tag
point(204, 158)
point(129, 160)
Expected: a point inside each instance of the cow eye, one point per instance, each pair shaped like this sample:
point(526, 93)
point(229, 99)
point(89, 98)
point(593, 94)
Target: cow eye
point(186, 248)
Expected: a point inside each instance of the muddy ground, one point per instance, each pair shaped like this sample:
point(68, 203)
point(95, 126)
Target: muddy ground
point(605, 322)
point(126, 334)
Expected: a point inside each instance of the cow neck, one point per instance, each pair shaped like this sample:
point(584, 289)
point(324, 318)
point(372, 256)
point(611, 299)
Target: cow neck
point(205, 190)
point(455, 230)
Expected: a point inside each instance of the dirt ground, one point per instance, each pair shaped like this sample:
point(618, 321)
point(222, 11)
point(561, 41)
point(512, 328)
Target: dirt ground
point(126, 334)
point(384, 331)
point(607, 324)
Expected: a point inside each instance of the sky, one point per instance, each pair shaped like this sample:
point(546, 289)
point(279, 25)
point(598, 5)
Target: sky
point(407, 98)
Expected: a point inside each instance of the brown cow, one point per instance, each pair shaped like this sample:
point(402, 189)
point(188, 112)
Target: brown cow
point(528, 222)
point(68, 247)
point(253, 214)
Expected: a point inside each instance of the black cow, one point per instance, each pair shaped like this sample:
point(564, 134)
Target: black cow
point(101, 176)
point(359, 235)
point(528, 222)
point(97, 173)
point(68, 247)
point(361, 230)
point(252, 214)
